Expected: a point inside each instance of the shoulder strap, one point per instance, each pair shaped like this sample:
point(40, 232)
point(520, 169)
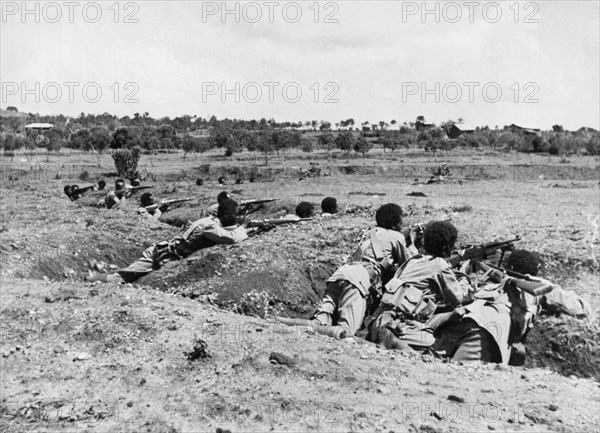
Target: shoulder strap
point(186, 234)
point(377, 248)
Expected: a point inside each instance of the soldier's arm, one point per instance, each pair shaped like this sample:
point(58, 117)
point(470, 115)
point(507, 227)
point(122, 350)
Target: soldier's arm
point(454, 290)
point(220, 235)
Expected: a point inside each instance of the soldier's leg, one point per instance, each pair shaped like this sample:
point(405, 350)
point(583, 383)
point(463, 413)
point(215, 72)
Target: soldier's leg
point(329, 305)
point(352, 306)
point(476, 344)
point(142, 266)
point(381, 334)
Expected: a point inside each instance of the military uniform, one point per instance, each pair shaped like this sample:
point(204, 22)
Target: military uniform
point(348, 289)
point(113, 199)
point(150, 214)
point(493, 327)
point(203, 233)
point(410, 299)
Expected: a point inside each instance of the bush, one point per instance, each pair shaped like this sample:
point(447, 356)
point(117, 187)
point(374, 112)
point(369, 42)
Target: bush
point(126, 162)
point(554, 149)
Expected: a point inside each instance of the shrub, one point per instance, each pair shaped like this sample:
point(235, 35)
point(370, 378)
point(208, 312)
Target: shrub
point(126, 162)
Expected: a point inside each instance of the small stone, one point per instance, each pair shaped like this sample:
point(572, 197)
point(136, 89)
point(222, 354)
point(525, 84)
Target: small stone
point(58, 349)
point(455, 398)
point(553, 407)
point(113, 267)
point(491, 427)
point(82, 356)
point(49, 299)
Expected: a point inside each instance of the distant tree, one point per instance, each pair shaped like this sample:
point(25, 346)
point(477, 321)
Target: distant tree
point(362, 146)
point(345, 141)
point(326, 140)
point(557, 128)
point(100, 139)
point(81, 139)
point(125, 137)
point(264, 145)
point(325, 126)
point(306, 145)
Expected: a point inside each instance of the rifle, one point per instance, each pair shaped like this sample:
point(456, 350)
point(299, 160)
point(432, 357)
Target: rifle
point(481, 252)
point(75, 193)
point(275, 221)
point(131, 190)
point(526, 283)
point(166, 203)
point(258, 201)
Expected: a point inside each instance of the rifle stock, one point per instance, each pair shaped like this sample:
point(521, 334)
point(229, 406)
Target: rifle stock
point(166, 203)
point(257, 201)
point(522, 282)
point(79, 191)
point(133, 189)
point(276, 221)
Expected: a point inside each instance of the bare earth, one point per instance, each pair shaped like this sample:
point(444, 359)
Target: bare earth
point(88, 357)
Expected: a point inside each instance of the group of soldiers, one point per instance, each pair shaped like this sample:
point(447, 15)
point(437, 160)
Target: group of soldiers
point(406, 290)
point(403, 293)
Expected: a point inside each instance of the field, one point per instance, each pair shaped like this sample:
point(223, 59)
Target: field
point(78, 356)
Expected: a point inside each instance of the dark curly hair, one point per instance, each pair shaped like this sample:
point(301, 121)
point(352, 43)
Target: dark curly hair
point(389, 216)
point(329, 205)
point(439, 238)
point(223, 195)
point(146, 199)
point(523, 262)
point(228, 212)
point(305, 209)
point(101, 185)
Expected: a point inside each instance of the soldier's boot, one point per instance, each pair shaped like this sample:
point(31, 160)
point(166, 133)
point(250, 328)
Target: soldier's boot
point(337, 332)
point(387, 339)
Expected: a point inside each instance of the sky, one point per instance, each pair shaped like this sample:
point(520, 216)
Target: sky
point(535, 64)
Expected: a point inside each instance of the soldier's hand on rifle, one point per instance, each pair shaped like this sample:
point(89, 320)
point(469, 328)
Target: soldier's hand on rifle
point(416, 235)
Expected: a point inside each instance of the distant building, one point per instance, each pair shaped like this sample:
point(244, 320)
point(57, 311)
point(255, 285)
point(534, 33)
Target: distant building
point(586, 129)
point(422, 126)
point(40, 126)
point(457, 129)
point(521, 130)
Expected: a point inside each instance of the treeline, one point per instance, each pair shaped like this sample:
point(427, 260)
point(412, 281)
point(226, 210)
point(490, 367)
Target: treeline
point(197, 135)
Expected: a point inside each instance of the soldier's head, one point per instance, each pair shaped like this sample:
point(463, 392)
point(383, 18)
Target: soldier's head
point(68, 189)
point(305, 209)
point(222, 180)
point(135, 182)
point(389, 216)
point(329, 205)
point(101, 185)
point(523, 262)
point(119, 184)
point(147, 199)
point(439, 238)
point(74, 188)
point(223, 195)
point(228, 212)
point(199, 182)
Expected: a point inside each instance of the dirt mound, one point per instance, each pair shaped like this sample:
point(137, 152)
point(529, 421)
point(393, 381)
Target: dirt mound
point(565, 345)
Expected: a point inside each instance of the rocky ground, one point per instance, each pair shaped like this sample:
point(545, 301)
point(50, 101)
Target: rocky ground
point(189, 349)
